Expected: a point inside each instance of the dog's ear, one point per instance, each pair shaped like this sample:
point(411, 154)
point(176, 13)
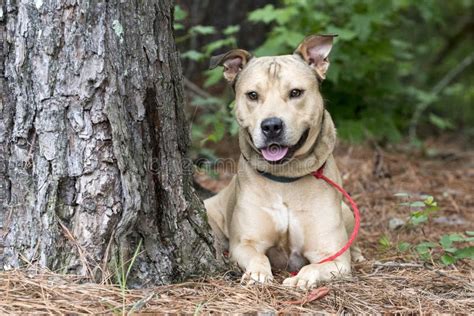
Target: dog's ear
point(233, 62)
point(315, 50)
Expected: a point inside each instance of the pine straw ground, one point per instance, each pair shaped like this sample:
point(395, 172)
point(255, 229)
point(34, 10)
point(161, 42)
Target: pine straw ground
point(388, 282)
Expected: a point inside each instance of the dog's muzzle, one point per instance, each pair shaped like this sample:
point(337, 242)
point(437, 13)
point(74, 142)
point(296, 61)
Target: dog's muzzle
point(280, 153)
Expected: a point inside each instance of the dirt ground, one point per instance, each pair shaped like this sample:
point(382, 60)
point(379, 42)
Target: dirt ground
point(389, 281)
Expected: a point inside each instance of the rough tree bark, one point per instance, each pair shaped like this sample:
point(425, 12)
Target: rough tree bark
point(93, 141)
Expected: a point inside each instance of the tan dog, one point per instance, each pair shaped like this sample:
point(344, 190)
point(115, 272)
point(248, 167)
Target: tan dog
point(274, 213)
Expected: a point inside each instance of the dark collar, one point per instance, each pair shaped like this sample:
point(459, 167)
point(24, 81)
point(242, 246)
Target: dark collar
point(278, 178)
point(274, 177)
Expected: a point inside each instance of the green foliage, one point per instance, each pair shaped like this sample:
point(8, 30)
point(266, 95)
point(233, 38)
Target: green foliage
point(179, 15)
point(421, 210)
point(385, 243)
point(212, 125)
point(391, 64)
point(382, 63)
point(439, 122)
point(448, 249)
point(403, 246)
point(217, 118)
point(202, 30)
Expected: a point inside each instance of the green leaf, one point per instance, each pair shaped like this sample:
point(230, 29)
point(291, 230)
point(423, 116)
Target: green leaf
point(422, 96)
point(433, 208)
point(361, 26)
point(202, 30)
point(266, 14)
point(179, 13)
point(470, 233)
point(285, 15)
point(465, 253)
point(343, 34)
point(218, 133)
point(428, 200)
point(213, 76)
point(269, 14)
point(231, 29)
point(178, 26)
point(234, 128)
point(447, 259)
point(450, 249)
point(403, 246)
point(272, 46)
point(417, 204)
point(417, 220)
point(454, 237)
point(439, 122)
point(445, 241)
point(384, 241)
point(193, 55)
point(425, 247)
point(293, 39)
point(212, 46)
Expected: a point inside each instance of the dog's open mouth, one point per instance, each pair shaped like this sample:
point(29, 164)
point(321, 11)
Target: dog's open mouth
point(276, 153)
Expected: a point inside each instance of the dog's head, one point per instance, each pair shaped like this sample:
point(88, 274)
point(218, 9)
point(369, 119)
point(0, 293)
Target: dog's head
point(278, 102)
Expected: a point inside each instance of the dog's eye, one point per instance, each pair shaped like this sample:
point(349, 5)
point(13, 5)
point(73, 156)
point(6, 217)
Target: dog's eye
point(252, 95)
point(295, 93)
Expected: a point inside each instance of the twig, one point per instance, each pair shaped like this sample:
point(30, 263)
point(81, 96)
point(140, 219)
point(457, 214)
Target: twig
point(106, 259)
point(196, 89)
point(392, 264)
point(82, 252)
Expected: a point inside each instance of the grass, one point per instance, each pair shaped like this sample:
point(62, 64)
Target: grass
point(122, 271)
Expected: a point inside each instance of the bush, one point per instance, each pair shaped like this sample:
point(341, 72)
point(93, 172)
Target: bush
point(396, 65)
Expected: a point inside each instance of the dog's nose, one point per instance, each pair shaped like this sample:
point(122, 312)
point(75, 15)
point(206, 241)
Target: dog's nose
point(272, 127)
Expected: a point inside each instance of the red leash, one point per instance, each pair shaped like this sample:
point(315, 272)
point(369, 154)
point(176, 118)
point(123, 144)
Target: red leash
point(319, 175)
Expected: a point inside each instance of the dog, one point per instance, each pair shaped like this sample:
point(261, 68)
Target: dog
point(274, 213)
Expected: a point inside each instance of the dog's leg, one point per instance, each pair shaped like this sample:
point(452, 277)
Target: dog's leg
point(348, 218)
point(251, 257)
point(319, 244)
point(217, 209)
point(313, 273)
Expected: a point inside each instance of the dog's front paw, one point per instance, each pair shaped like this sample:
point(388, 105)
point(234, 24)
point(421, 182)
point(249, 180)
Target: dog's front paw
point(311, 274)
point(256, 277)
point(304, 279)
point(356, 254)
point(258, 271)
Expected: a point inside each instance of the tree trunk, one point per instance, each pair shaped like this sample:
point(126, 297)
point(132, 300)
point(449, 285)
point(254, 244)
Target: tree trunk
point(94, 142)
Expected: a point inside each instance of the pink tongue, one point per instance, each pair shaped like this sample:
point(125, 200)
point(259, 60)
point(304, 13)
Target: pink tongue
point(274, 153)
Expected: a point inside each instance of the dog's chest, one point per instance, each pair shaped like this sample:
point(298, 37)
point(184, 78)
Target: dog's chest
point(286, 222)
